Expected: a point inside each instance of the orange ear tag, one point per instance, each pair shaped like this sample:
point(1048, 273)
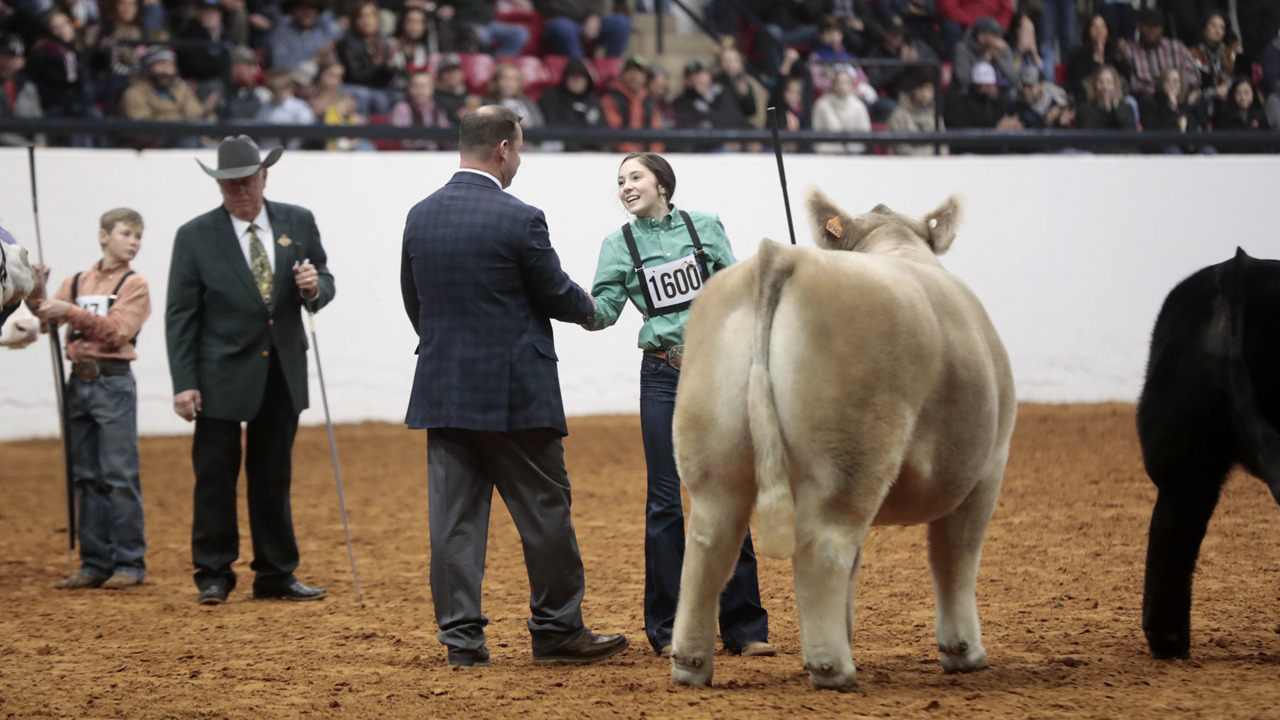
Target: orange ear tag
point(834, 227)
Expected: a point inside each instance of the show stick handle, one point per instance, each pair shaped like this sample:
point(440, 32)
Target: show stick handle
point(300, 260)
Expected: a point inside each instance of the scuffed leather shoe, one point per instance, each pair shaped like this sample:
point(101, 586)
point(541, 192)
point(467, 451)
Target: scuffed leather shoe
point(459, 657)
point(586, 648)
point(79, 581)
point(120, 581)
point(296, 592)
point(215, 594)
point(758, 649)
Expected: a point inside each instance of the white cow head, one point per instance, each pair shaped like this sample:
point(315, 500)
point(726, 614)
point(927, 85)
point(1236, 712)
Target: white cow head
point(835, 229)
point(17, 279)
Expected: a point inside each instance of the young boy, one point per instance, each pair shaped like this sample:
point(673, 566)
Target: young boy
point(105, 306)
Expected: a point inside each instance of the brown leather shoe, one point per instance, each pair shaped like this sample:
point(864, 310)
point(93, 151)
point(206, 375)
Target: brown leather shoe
point(79, 581)
point(586, 648)
point(665, 652)
point(120, 581)
point(758, 649)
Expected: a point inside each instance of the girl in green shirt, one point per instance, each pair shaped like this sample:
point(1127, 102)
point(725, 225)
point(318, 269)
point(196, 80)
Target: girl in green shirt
point(658, 263)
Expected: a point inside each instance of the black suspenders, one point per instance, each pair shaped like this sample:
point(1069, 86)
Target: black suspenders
point(699, 255)
point(111, 300)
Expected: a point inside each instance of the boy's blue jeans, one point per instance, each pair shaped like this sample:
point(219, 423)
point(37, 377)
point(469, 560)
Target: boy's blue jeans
point(102, 423)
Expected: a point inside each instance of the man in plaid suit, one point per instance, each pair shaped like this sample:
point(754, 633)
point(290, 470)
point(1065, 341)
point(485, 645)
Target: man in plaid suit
point(481, 284)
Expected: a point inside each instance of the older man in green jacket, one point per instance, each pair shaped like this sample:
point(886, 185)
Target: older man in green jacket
point(237, 353)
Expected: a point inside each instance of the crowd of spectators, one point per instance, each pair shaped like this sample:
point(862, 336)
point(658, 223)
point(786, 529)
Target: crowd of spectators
point(1188, 66)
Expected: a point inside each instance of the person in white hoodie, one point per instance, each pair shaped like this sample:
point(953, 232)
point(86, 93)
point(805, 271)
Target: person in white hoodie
point(840, 109)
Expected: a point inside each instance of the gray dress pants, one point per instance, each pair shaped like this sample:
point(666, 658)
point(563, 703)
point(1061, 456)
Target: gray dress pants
point(527, 468)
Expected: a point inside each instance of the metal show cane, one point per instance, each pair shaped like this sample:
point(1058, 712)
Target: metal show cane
point(333, 447)
point(59, 376)
point(782, 173)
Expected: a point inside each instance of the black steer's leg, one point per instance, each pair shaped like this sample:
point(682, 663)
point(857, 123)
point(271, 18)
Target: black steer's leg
point(1178, 525)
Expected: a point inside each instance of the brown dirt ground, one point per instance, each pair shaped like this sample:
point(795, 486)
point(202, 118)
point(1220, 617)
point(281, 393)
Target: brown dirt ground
point(1059, 591)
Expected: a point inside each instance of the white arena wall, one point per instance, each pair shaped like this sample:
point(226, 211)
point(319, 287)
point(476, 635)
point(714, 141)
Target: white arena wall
point(1072, 255)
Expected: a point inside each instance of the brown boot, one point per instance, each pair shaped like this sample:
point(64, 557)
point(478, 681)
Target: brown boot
point(120, 581)
point(758, 649)
point(79, 581)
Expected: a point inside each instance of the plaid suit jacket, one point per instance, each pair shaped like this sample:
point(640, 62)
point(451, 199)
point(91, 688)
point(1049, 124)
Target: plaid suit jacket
point(481, 284)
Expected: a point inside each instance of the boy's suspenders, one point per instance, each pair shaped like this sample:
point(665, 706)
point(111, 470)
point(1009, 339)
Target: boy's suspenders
point(111, 300)
point(699, 254)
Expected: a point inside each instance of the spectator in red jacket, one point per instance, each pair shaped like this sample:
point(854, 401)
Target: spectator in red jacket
point(627, 105)
point(957, 16)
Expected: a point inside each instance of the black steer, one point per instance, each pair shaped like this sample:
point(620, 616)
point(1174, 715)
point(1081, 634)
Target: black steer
point(1211, 401)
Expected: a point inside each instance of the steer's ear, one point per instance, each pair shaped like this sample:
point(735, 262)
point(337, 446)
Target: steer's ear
point(942, 223)
point(833, 229)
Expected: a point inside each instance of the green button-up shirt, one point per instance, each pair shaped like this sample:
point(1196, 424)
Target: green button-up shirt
point(659, 241)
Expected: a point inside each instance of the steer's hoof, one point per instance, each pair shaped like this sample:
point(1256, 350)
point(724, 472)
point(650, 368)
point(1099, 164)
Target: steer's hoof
point(691, 670)
point(827, 677)
point(962, 658)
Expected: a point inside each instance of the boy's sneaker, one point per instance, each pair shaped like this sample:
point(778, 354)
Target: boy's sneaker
point(120, 581)
point(79, 581)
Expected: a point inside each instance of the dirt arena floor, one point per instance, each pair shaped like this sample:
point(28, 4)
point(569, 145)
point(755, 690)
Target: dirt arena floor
point(1059, 592)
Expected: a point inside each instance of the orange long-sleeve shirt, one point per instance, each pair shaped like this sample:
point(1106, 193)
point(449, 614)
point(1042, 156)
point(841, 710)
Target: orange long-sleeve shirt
point(106, 337)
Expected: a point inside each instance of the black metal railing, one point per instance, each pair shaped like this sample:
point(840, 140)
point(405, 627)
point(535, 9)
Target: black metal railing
point(968, 140)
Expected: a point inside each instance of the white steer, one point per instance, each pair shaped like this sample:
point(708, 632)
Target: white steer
point(17, 279)
point(838, 390)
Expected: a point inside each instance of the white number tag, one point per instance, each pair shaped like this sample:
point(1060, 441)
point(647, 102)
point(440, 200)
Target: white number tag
point(674, 283)
point(96, 304)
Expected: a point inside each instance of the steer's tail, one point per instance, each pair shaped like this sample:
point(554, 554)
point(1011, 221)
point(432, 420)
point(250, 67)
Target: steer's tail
point(775, 503)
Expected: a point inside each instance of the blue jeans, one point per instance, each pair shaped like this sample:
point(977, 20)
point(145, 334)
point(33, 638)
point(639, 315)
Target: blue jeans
point(803, 35)
point(742, 619)
point(372, 101)
point(508, 39)
point(564, 36)
point(102, 424)
point(1061, 26)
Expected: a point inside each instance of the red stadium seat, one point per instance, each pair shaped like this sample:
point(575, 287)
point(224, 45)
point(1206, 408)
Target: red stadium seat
point(477, 68)
point(1059, 74)
point(555, 67)
point(383, 143)
point(533, 72)
point(945, 80)
point(607, 70)
point(530, 21)
point(1257, 74)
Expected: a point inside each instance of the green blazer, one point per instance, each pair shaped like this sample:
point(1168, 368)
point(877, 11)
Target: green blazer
point(220, 334)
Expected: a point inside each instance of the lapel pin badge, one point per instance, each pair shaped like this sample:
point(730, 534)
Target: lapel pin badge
point(284, 241)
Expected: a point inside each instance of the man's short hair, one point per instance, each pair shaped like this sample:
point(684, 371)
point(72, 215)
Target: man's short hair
point(120, 215)
point(484, 129)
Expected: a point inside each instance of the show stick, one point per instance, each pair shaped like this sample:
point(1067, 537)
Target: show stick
point(782, 173)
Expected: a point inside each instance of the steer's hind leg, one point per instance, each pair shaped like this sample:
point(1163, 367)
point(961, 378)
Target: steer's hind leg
point(853, 582)
point(719, 514)
point(955, 547)
point(827, 549)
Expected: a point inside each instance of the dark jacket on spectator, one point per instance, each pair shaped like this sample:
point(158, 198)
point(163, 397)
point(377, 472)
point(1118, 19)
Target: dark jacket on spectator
point(891, 80)
point(200, 63)
point(25, 104)
point(451, 103)
point(1271, 66)
point(471, 12)
point(361, 68)
point(561, 108)
point(58, 71)
point(1231, 117)
point(1080, 65)
point(789, 14)
point(1157, 115)
point(975, 110)
point(746, 103)
point(1090, 115)
point(718, 112)
point(575, 10)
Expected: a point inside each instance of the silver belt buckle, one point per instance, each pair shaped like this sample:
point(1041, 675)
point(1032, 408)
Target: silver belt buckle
point(86, 370)
point(675, 356)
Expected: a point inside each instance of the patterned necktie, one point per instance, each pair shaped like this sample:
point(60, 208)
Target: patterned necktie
point(260, 265)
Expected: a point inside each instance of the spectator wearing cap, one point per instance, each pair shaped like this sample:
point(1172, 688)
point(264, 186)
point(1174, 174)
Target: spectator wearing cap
point(367, 57)
point(895, 43)
point(919, 16)
point(1153, 53)
point(309, 33)
point(1041, 104)
point(19, 97)
point(627, 105)
point(789, 22)
point(571, 23)
point(476, 16)
point(841, 110)
point(917, 112)
point(705, 106)
point(451, 89)
point(418, 109)
point(245, 97)
point(158, 94)
point(747, 92)
point(283, 109)
point(984, 42)
point(572, 103)
point(959, 16)
point(982, 107)
point(205, 63)
point(56, 65)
